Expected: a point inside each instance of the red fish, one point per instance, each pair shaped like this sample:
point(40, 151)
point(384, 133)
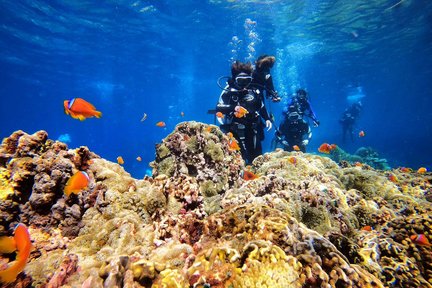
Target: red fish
point(326, 148)
point(361, 133)
point(22, 244)
point(161, 124)
point(296, 148)
point(420, 239)
point(367, 228)
point(220, 115)
point(393, 178)
point(80, 109)
point(76, 183)
point(233, 145)
point(120, 160)
point(247, 175)
point(292, 160)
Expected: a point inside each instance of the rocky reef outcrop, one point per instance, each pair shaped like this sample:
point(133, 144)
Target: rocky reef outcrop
point(305, 221)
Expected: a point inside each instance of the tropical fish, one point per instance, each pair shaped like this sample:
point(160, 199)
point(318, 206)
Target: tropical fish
point(240, 111)
point(367, 228)
point(393, 178)
point(80, 109)
point(292, 160)
point(182, 114)
point(326, 148)
point(120, 160)
point(422, 170)
point(220, 115)
point(296, 148)
point(405, 169)
point(361, 133)
point(233, 145)
point(76, 183)
point(22, 244)
point(248, 175)
point(161, 124)
point(358, 164)
point(139, 159)
point(420, 239)
point(144, 117)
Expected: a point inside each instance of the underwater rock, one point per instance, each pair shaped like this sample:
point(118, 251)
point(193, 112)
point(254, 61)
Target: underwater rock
point(304, 222)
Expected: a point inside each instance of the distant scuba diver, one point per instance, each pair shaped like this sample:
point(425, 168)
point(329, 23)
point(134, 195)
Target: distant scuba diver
point(348, 120)
point(294, 132)
point(242, 111)
point(262, 79)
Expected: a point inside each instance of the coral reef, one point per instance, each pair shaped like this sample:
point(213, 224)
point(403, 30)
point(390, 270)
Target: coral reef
point(364, 155)
point(304, 222)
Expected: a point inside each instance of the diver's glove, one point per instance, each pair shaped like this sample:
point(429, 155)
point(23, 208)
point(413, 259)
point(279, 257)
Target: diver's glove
point(305, 142)
point(275, 97)
point(316, 123)
point(269, 125)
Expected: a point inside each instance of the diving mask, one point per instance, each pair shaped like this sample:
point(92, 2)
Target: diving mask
point(243, 80)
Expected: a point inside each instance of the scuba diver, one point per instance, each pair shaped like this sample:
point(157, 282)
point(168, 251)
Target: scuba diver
point(262, 79)
point(348, 119)
point(294, 132)
point(243, 110)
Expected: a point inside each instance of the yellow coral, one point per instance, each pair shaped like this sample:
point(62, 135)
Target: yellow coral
point(5, 187)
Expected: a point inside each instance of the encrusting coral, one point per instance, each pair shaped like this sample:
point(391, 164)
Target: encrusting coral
point(304, 222)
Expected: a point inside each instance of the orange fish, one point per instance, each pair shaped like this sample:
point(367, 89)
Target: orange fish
point(422, 170)
point(405, 169)
point(240, 111)
point(161, 124)
point(139, 159)
point(233, 145)
point(182, 114)
point(22, 244)
point(120, 160)
point(393, 178)
point(296, 148)
point(76, 183)
point(247, 175)
point(361, 133)
point(220, 115)
point(326, 148)
point(367, 228)
point(358, 164)
point(292, 160)
point(420, 239)
point(80, 109)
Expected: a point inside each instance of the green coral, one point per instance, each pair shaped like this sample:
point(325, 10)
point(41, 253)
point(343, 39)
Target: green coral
point(214, 150)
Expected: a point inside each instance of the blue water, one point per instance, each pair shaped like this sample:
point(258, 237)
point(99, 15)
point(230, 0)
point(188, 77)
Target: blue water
point(163, 58)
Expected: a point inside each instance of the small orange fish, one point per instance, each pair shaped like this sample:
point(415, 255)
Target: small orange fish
point(120, 160)
point(209, 129)
point(361, 133)
point(247, 175)
point(80, 109)
point(240, 111)
point(182, 114)
point(393, 178)
point(296, 148)
point(220, 115)
point(161, 124)
point(233, 145)
point(420, 239)
point(76, 183)
point(292, 160)
point(358, 164)
point(230, 135)
point(422, 170)
point(22, 244)
point(326, 148)
point(367, 228)
point(139, 159)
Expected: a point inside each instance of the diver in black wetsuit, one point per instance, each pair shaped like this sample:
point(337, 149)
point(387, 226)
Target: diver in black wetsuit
point(294, 129)
point(262, 77)
point(348, 119)
point(238, 95)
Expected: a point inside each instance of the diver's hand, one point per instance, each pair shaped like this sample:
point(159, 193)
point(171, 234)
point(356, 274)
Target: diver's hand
point(269, 125)
point(316, 123)
point(305, 142)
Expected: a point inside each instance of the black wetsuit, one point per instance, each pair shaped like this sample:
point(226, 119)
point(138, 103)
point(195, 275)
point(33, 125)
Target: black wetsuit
point(248, 130)
point(348, 119)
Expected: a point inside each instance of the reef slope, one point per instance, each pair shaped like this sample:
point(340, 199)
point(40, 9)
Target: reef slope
point(198, 223)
